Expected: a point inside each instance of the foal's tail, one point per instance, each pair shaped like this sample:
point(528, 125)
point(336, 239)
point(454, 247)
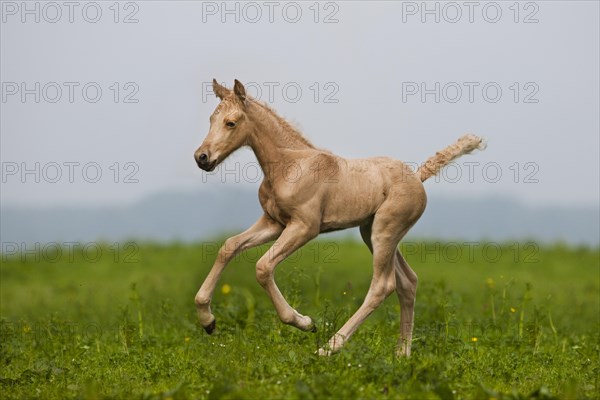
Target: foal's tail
point(464, 145)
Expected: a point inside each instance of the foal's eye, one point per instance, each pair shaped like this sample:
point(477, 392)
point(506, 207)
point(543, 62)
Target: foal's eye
point(230, 124)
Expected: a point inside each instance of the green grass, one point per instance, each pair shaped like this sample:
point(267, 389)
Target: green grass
point(503, 322)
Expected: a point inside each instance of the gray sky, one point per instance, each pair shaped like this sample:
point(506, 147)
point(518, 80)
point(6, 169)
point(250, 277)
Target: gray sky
point(363, 84)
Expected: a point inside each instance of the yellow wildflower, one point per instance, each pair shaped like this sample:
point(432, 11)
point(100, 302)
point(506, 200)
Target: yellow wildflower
point(225, 289)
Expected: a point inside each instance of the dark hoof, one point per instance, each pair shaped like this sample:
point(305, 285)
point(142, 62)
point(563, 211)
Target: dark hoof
point(211, 327)
point(313, 329)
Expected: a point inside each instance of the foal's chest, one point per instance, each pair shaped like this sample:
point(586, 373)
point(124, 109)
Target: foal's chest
point(271, 206)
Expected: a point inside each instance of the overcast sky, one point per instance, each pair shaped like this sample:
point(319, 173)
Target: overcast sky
point(123, 91)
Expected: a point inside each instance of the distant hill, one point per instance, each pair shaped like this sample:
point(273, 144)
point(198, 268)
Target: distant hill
point(198, 215)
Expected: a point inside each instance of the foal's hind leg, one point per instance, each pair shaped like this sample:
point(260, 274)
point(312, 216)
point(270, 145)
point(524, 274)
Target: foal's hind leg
point(406, 289)
point(384, 239)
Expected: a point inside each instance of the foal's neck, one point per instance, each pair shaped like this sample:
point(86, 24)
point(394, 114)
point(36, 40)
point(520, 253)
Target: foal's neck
point(273, 139)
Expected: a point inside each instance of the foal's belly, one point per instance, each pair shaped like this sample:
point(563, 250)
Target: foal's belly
point(339, 209)
point(351, 202)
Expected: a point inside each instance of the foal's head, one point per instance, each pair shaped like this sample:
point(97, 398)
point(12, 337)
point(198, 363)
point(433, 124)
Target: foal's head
point(229, 127)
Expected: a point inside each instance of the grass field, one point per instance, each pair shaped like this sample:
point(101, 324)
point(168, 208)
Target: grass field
point(511, 321)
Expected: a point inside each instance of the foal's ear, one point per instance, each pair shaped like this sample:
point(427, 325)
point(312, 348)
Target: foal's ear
point(239, 90)
point(220, 91)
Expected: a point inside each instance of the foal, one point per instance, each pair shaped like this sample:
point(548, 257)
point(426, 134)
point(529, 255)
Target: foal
point(306, 191)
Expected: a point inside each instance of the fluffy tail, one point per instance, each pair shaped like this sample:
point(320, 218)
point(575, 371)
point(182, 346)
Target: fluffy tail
point(464, 145)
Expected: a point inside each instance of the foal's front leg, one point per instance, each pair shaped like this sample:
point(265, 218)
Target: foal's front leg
point(263, 231)
point(293, 237)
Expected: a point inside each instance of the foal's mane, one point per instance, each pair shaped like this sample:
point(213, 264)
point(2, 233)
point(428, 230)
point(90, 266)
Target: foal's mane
point(292, 134)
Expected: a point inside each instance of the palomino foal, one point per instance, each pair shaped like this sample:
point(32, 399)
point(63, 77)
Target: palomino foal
point(306, 191)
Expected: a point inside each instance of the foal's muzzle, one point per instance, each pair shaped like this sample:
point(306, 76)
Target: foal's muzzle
point(203, 161)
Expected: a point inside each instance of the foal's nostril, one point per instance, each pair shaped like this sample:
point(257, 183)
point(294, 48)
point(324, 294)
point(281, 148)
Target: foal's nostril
point(202, 160)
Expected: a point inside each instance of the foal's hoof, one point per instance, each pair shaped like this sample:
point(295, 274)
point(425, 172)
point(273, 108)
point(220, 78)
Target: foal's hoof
point(210, 328)
point(308, 327)
point(323, 352)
